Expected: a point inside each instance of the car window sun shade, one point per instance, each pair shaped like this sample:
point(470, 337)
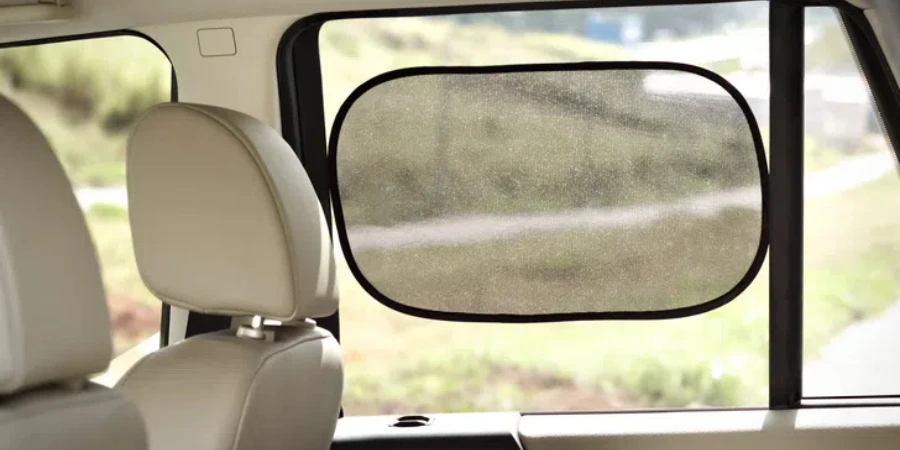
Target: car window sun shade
point(550, 192)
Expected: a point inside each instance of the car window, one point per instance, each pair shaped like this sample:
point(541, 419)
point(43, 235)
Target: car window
point(852, 227)
point(85, 95)
point(719, 358)
point(396, 363)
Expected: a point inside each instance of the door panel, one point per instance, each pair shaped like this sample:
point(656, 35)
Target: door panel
point(488, 431)
point(869, 428)
point(820, 429)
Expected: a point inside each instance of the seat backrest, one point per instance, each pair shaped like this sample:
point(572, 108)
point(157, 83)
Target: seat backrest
point(54, 325)
point(225, 221)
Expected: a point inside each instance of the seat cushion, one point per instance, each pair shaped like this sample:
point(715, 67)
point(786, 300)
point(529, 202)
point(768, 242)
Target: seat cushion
point(221, 392)
point(57, 418)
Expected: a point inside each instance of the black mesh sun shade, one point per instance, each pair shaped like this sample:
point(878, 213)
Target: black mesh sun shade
point(550, 192)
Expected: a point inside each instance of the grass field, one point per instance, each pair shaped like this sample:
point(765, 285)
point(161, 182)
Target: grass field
point(516, 144)
point(134, 310)
point(355, 50)
point(397, 363)
point(107, 80)
point(719, 358)
point(675, 262)
point(84, 95)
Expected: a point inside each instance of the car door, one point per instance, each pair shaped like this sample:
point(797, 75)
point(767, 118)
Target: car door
point(801, 359)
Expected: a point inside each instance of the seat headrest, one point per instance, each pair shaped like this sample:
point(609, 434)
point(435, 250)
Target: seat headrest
point(54, 324)
point(224, 218)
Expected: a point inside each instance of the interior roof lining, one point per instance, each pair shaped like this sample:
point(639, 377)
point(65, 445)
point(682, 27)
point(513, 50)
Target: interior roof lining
point(93, 16)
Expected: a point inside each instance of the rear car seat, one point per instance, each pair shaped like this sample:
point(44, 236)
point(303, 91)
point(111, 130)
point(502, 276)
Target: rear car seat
point(225, 221)
point(54, 324)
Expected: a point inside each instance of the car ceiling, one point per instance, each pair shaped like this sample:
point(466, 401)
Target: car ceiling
point(104, 15)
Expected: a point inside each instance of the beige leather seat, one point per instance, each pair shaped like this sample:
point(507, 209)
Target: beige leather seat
point(54, 325)
point(225, 221)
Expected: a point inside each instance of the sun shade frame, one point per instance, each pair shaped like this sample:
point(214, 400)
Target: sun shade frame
point(700, 308)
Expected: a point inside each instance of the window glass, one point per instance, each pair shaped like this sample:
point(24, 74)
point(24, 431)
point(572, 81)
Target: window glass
point(396, 363)
point(574, 191)
point(84, 96)
point(852, 227)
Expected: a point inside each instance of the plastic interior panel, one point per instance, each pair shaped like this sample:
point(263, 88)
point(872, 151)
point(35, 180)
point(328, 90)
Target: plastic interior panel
point(812, 428)
point(488, 431)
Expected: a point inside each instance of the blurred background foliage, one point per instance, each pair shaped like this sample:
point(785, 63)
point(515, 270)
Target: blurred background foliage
point(85, 95)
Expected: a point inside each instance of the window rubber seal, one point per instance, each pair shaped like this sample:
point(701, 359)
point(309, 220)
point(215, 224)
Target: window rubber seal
point(786, 148)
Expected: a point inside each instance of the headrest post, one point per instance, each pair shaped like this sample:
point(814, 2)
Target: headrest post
point(256, 329)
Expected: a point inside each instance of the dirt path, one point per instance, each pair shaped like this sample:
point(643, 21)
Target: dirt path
point(861, 360)
point(112, 195)
point(487, 227)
